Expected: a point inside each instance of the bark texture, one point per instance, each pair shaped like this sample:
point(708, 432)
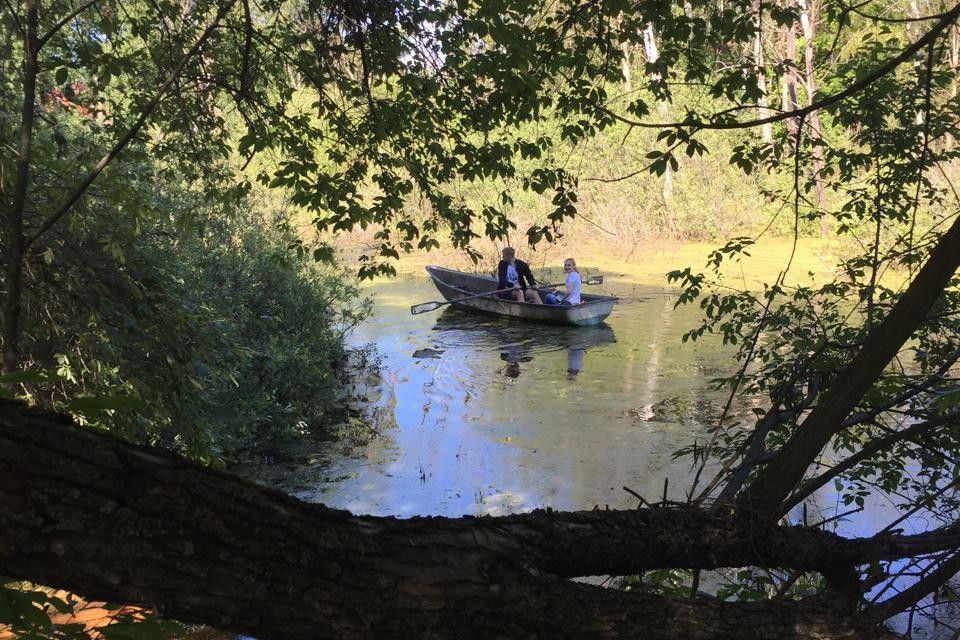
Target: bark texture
point(114, 521)
point(775, 482)
point(13, 219)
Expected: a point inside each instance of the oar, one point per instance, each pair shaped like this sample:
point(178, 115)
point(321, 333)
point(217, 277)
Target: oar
point(591, 280)
point(423, 307)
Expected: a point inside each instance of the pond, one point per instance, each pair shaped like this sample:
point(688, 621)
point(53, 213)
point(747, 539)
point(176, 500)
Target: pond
point(481, 415)
point(484, 415)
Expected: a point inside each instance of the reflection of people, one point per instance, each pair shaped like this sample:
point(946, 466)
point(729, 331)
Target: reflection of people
point(513, 357)
point(573, 283)
point(574, 362)
point(512, 370)
point(515, 275)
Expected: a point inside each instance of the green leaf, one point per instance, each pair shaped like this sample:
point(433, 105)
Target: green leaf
point(22, 608)
point(324, 253)
point(95, 404)
point(149, 629)
point(27, 377)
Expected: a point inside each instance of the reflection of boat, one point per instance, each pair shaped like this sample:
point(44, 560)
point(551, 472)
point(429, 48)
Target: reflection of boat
point(460, 323)
point(458, 284)
point(518, 342)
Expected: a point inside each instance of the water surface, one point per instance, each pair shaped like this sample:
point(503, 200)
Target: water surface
point(490, 415)
point(482, 415)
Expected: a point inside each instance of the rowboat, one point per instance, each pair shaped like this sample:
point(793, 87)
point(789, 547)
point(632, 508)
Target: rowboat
point(466, 290)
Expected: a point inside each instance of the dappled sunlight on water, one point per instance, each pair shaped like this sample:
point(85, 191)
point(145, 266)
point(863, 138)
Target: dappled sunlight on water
point(496, 416)
point(488, 416)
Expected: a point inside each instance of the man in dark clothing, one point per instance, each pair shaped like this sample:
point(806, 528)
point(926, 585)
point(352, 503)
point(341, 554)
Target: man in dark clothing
point(515, 275)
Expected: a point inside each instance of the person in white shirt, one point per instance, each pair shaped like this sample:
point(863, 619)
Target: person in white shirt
point(572, 283)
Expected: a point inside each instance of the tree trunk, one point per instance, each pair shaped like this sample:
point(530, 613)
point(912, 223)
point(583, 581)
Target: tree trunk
point(13, 252)
point(653, 54)
point(775, 481)
point(625, 49)
point(954, 53)
point(789, 86)
point(114, 521)
point(808, 19)
point(763, 107)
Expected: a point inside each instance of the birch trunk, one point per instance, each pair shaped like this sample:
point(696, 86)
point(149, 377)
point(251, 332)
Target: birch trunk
point(652, 53)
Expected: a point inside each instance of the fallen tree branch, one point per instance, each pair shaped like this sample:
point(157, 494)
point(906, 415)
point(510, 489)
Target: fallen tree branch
point(109, 520)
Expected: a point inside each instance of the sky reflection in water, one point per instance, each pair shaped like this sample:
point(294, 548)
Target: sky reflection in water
point(490, 416)
point(487, 415)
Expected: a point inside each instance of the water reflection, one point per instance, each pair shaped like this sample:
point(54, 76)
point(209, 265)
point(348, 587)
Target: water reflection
point(488, 415)
point(518, 341)
point(574, 362)
point(513, 357)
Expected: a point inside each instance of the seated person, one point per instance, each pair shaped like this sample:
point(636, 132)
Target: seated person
point(516, 276)
point(573, 283)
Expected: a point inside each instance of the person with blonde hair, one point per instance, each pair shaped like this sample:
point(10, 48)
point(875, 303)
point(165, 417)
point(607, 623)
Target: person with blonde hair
point(573, 284)
point(515, 276)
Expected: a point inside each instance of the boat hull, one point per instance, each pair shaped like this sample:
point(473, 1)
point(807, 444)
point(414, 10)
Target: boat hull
point(457, 284)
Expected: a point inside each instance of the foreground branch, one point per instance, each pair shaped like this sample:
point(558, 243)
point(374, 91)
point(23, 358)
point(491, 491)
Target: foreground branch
point(109, 520)
point(911, 595)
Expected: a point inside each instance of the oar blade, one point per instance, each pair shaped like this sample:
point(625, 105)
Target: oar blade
point(423, 307)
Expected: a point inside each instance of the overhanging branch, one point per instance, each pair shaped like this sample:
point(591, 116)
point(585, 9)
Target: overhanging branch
point(63, 22)
point(871, 449)
point(774, 483)
point(88, 512)
point(913, 594)
point(131, 133)
point(946, 19)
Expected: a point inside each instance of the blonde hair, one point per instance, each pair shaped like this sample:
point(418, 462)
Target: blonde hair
point(573, 263)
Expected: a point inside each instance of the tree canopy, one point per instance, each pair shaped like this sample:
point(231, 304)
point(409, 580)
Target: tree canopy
point(373, 116)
